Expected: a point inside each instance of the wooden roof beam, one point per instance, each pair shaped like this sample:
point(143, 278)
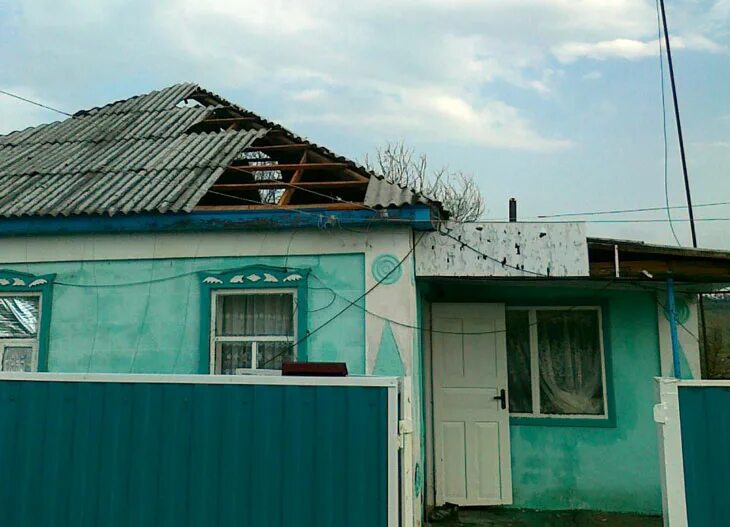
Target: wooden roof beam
point(296, 178)
point(273, 148)
point(287, 166)
point(227, 120)
point(262, 184)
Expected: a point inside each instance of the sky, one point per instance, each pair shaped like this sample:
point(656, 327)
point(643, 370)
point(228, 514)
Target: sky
point(556, 103)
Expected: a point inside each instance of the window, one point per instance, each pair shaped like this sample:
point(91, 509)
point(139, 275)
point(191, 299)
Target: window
point(19, 327)
point(556, 362)
point(252, 330)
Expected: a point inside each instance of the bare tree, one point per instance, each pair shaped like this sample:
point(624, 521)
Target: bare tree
point(401, 165)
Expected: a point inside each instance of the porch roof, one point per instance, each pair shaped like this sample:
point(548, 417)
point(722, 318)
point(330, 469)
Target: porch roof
point(626, 259)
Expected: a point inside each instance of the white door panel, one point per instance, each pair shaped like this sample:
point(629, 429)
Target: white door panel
point(471, 429)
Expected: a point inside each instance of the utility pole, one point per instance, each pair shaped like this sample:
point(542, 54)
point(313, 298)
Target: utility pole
point(679, 127)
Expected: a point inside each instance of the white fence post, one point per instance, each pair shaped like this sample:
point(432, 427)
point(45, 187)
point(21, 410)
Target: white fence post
point(405, 429)
point(671, 462)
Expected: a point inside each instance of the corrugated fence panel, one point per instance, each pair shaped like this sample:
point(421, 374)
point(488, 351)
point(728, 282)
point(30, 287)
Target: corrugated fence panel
point(141, 454)
point(705, 418)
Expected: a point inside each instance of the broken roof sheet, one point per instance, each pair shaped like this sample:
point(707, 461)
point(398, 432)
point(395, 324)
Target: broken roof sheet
point(141, 155)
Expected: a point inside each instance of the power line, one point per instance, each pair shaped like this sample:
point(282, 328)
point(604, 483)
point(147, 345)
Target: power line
point(658, 220)
point(650, 220)
point(628, 211)
point(24, 99)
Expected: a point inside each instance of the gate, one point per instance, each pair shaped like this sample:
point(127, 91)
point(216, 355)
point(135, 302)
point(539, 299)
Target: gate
point(694, 434)
point(144, 450)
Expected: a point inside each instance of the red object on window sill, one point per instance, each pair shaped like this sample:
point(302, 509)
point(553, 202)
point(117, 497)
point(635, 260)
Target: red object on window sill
point(314, 369)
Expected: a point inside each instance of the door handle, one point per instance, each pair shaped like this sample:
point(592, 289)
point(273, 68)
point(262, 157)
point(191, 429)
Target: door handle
point(503, 398)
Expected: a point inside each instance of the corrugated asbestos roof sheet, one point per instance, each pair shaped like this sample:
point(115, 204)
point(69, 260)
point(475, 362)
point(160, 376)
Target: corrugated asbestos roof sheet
point(133, 156)
point(382, 193)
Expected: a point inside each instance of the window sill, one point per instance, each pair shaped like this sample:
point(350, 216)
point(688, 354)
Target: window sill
point(575, 422)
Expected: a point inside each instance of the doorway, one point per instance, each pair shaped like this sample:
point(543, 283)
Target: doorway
point(470, 410)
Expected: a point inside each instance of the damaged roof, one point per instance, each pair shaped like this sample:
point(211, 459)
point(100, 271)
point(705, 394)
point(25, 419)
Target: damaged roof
point(179, 149)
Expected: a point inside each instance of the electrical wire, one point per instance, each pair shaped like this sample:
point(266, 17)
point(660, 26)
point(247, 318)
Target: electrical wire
point(350, 304)
point(664, 123)
point(627, 211)
point(482, 222)
point(502, 262)
point(442, 332)
point(9, 94)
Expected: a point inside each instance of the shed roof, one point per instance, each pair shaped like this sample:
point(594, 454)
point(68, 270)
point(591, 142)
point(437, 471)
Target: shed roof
point(175, 150)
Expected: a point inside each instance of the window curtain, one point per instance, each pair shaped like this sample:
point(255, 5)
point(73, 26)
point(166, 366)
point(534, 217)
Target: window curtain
point(255, 315)
point(518, 361)
point(571, 373)
point(18, 358)
point(18, 317)
point(272, 355)
point(233, 355)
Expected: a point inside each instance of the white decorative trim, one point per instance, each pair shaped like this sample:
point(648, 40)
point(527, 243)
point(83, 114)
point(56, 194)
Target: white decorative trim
point(18, 282)
point(293, 278)
point(238, 279)
point(254, 277)
point(270, 278)
point(212, 280)
point(38, 281)
point(3, 281)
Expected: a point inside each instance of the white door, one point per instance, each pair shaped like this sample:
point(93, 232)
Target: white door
point(471, 421)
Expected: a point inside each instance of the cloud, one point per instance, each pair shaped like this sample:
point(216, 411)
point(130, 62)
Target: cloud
point(618, 48)
point(431, 115)
point(468, 67)
point(307, 95)
point(592, 76)
point(629, 49)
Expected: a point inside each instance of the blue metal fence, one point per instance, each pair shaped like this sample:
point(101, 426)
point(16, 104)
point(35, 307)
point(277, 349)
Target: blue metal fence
point(705, 423)
point(193, 454)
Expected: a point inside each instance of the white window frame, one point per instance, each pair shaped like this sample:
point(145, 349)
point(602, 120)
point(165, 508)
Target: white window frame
point(9, 342)
point(254, 340)
point(535, 362)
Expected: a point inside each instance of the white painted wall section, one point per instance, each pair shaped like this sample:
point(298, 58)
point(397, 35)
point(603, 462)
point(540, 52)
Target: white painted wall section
point(513, 250)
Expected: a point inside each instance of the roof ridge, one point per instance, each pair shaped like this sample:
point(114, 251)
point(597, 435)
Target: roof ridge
point(96, 109)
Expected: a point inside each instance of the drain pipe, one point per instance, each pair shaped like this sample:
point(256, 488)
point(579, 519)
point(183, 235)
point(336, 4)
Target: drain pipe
point(673, 328)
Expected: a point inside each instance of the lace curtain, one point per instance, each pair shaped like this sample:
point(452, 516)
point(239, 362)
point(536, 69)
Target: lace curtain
point(251, 316)
point(18, 316)
point(255, 315)
point(571, 372)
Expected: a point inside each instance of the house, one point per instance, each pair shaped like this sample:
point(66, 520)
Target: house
point(178, 233)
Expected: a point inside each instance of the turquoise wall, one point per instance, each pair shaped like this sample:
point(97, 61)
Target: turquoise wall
point(152, 326)
point(613, 468)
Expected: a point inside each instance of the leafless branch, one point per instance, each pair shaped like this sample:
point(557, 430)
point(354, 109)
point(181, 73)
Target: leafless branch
point(457, 191)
